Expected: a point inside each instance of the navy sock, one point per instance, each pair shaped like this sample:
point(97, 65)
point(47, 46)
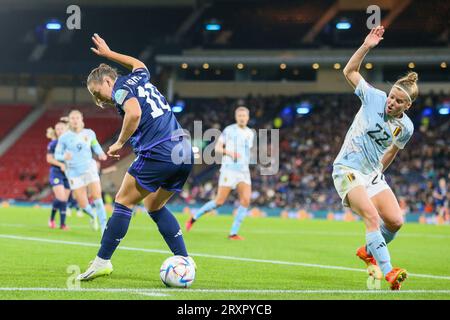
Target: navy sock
point(170, 230)
point(55, 206)
point(62, 212)
point(115, 231)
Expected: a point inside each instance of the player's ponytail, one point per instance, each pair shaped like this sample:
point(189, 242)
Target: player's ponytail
point(408, 83)
point(103, 70)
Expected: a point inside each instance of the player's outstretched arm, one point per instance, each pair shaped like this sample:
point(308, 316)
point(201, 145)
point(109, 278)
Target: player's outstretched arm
point(97, 148)
point(102, 49)
point(131, 121)
point(351, 70)
point(51, 160)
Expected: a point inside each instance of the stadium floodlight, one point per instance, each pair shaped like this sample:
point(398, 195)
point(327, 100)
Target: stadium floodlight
point(53, 25)
point(178, 106)
point(213, 27)
point(177, 109)
point(444, 110)
point(304, 108)
point(343, 25)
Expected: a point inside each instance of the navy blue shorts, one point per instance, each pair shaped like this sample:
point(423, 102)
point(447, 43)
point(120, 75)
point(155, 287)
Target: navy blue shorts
point(57, 179)
point(152, 174)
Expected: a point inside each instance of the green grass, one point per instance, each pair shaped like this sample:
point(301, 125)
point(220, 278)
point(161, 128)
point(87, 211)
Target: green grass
point(27, 261)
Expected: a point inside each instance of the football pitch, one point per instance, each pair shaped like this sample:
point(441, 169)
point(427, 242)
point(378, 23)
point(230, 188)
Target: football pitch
point(280, 259)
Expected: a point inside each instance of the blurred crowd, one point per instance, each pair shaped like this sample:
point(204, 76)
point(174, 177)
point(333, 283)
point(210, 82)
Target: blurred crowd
point(309, 143)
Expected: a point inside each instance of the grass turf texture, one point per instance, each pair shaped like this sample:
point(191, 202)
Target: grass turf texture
point(281, 248)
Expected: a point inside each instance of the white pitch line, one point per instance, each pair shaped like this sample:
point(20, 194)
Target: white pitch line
point(300, 264)
point(165, 292)
point(110, 290)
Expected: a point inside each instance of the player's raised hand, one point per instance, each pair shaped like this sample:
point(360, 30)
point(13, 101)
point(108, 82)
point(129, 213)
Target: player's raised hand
point(102, 157)
point(101, 48)
point(374, 37)
point(114, 149)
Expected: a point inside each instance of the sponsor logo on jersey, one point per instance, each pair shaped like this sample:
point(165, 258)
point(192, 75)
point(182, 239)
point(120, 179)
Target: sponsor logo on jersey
point(351, 177)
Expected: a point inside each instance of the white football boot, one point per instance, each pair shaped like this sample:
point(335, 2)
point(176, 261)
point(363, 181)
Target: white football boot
point(97, 268)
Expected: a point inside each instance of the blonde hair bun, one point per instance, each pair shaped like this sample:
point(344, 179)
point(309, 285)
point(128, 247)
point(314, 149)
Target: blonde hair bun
point(412, 76)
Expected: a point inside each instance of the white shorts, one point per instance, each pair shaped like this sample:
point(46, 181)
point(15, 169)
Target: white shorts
point(231, 178)
point(91, 175)
point(345, 179)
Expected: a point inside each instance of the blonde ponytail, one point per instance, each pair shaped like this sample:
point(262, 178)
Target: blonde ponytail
point(103, 70)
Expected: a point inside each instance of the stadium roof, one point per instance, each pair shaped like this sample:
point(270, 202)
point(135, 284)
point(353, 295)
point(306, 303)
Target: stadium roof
point(103, 3)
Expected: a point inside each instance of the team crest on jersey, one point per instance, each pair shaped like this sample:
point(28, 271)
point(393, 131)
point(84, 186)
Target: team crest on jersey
point(397, 131)
point(56, 181)
point(85, 138)
point(225, 179)
point(351, 177)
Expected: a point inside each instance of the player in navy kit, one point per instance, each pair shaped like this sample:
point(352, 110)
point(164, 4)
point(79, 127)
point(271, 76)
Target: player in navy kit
point(440, 198)
point(164, 154)
point(57, 177)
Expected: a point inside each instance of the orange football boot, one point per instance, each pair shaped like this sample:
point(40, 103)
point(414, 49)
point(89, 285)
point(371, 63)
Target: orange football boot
point(235, 237)
point(395, 277)
point(365, 256)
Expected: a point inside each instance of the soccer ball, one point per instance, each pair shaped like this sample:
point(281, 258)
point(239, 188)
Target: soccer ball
point(178, 271)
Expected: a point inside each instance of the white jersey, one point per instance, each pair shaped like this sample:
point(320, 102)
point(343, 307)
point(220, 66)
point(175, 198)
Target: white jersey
point(238, 140)
point(372, 132)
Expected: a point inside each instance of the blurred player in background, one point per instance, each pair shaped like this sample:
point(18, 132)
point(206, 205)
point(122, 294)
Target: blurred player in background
point(72, 204)
point(234, 144)
point(75, 149)
point(380, 129)
point(440, 198)
point(155, 134)
point(57, 177)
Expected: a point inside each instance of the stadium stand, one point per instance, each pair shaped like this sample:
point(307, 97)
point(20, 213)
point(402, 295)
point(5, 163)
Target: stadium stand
point(10, 116)
point(23, 168)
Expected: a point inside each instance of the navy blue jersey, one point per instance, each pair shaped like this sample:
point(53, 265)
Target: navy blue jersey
point(443, 193)
point(51, 150)
point(158, 130)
